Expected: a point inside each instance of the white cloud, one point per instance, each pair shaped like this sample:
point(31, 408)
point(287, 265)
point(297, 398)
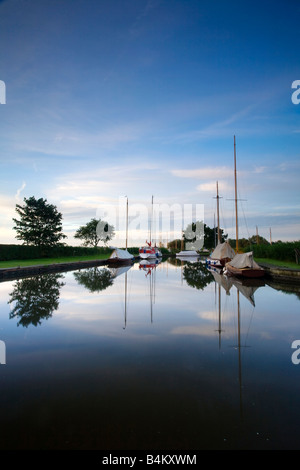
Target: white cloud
point(17, 196)
point(204, 173)
point(211, 187)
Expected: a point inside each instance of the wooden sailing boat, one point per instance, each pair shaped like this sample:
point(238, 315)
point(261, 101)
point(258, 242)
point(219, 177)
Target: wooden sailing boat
point(223, 251)
point(242, 264)
point(120, 256)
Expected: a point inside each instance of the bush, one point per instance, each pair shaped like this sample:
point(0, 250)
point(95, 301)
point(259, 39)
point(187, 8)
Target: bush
point(22, 252)
point(283, 251)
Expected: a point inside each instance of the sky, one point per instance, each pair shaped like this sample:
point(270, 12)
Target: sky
point(104, 100)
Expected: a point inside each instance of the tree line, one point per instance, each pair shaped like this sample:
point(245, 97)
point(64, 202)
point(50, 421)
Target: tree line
point(40, 224)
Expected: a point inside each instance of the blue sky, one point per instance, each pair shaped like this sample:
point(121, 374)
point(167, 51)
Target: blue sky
point(143, 97)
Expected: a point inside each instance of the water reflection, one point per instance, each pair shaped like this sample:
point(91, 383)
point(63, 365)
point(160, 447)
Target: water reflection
point(166, 385)
point(197, 275)
point(35, 298)
point(149, 266)
point(119, 271)
point(94, 279)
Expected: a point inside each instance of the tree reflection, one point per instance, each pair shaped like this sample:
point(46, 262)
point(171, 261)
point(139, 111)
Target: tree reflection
point(197, 275)
point(36, 298)
point(94, 279)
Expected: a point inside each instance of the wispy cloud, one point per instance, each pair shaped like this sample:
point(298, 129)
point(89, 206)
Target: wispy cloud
point(204, 173)
point(17, 196)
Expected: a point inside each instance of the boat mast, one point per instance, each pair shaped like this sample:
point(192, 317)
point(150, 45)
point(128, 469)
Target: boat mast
point(151, 220)
point(236, 209)
point(126, 222)
point(218, 215)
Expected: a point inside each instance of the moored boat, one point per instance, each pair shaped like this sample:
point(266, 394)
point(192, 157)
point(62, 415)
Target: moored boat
point(187, 254)
point(223, 251)
point(148, 251)
point(222, 254)
point(243, 265)
point(120, 256)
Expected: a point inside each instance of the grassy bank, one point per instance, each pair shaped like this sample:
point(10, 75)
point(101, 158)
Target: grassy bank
point(46, 261)
point(276, 262)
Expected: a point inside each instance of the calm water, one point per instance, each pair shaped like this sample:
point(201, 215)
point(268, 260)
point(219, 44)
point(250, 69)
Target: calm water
point(148, 359)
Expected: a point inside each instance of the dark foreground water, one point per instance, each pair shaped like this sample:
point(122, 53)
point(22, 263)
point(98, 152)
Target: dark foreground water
point(148, 359)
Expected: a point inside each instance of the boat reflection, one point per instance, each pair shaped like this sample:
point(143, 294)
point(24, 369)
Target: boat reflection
point(120, 271)
point(149, 266)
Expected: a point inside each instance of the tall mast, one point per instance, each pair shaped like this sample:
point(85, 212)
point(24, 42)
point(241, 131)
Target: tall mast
point(218, 215)
point(126, 222)
point(236, 209)
point(151, 218)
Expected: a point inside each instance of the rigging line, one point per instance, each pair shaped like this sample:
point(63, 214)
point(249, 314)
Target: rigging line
point(223, 224)
point(250, 322)
point(247, 230)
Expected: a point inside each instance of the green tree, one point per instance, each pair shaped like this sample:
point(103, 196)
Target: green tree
point(211, 236)
point(95, 231)
point(175, 245)
point(40, 223)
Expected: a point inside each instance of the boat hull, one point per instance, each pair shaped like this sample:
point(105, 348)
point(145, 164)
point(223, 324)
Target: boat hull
point(215, 263)
point(147, 255)
point(245, 272)
point(119, 261)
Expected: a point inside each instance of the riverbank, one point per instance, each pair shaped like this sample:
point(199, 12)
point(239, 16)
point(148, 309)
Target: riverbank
point(18, 272)
point(20, 269)
point(281, 273)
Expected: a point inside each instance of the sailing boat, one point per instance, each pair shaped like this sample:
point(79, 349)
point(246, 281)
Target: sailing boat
point(187, 255)
point(120, 256)
point(242, 264)
point(223, 251)
point(149, 251)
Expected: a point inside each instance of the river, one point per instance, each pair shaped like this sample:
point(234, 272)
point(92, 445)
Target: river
point(166, 357)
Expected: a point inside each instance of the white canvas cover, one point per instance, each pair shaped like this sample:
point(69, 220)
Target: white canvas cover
point(121, 254)
point(223, 251)
point(187, 253)
point(244, 260)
